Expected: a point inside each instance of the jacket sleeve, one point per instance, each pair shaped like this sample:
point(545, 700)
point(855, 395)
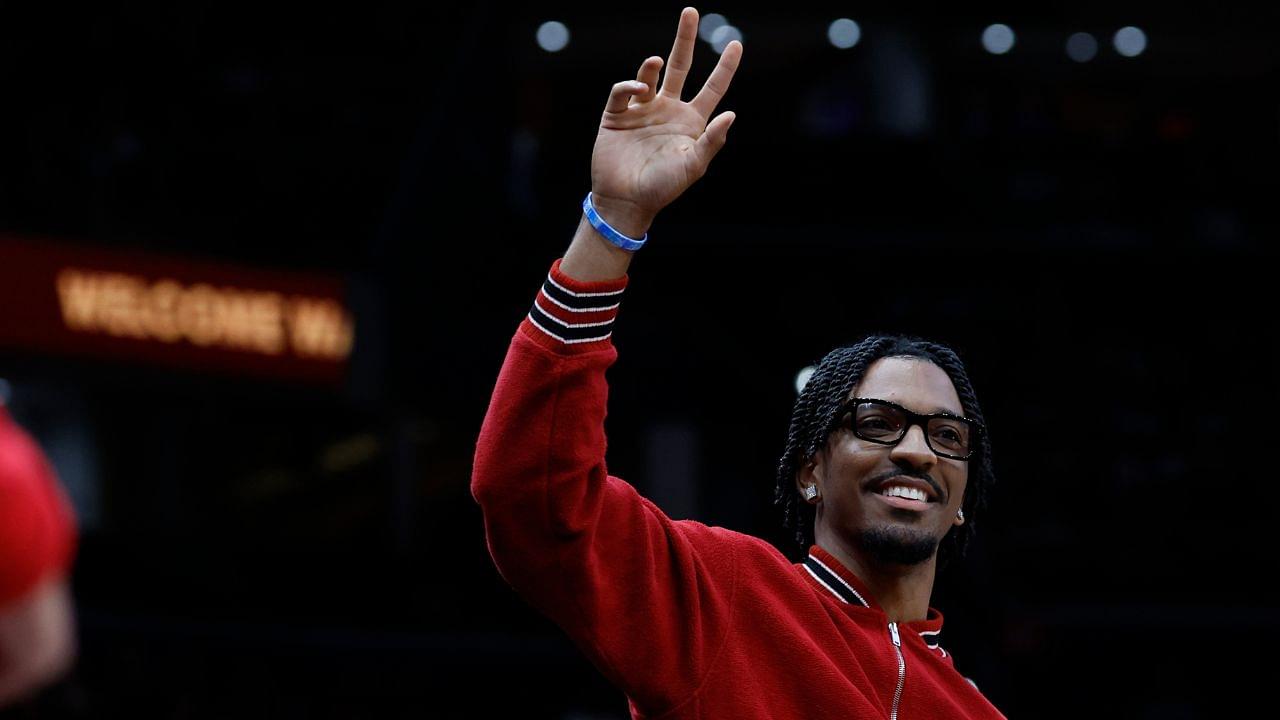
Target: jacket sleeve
point(37, 526)
point(648, 599)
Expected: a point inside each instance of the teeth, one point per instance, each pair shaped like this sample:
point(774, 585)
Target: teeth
point(905, 492)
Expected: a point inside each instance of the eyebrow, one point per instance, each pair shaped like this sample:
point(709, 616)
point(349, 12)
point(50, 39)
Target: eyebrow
point(938, 410)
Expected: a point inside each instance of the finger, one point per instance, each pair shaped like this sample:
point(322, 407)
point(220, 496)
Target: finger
point(718, 83)
point(681, 54)
point(649, 75)
point(621, 95)
point(713, 137)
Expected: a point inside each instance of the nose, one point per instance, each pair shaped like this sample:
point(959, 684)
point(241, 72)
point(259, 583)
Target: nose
point(913, 451)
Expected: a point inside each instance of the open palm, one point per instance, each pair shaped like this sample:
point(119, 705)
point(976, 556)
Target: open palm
point(652, 145)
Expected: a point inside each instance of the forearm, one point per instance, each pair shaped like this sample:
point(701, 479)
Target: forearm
point(541, 446)
point(543, 441)
point(540, 455)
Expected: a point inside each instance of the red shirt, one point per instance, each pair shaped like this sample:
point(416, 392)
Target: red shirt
point(690, 621)
point(37, 527)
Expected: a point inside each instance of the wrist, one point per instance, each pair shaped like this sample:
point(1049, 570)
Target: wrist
point(623, 215)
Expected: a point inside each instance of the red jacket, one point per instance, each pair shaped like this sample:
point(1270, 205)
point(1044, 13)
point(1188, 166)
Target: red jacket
point(689, 621)
point(37, 527)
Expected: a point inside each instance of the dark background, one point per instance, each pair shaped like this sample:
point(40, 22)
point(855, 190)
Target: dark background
point(1096, 239)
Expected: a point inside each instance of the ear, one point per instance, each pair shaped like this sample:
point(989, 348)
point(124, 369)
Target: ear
point(810, 475)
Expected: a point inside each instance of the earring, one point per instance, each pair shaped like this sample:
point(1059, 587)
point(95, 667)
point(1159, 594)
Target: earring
point(960, 514)
point(811, 492)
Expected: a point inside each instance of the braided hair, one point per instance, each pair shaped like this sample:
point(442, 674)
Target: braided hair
point(814, 417)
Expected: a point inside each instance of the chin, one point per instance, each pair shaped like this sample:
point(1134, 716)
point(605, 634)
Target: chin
point(898, 545)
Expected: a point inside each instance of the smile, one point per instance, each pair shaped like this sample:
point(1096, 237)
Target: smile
point(909, 493)
point(902, 503)
point(906, 494)
point(906, 491)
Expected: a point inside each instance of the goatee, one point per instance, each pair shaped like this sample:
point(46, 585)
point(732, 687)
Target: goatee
point(897, 545)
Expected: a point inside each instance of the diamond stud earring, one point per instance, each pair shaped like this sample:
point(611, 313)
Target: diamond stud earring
point(811, 492)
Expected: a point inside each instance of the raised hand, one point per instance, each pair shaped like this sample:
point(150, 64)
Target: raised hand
point(652, 145)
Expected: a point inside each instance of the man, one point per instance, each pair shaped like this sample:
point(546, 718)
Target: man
point(886, 454)
point(37, 542)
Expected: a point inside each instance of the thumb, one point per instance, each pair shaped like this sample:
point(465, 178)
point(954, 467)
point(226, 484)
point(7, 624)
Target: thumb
point(714, 136)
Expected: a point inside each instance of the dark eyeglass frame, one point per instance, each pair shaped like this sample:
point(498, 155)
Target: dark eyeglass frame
point(913, 418)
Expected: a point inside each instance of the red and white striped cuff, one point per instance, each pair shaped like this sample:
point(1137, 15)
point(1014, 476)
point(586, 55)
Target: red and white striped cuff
point(571, 315)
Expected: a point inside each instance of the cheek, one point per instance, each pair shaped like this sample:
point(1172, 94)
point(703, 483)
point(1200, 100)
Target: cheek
point(856, 462)
point(957, 483)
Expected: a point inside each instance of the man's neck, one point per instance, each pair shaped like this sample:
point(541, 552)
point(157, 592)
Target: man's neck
point(902, 591)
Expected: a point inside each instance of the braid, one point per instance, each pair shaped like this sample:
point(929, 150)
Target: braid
point(814, 413)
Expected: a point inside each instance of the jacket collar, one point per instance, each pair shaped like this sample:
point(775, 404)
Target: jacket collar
point(839, 581)
point(836, 578)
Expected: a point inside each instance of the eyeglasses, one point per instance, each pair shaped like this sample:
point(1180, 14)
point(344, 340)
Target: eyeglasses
point(886, 423)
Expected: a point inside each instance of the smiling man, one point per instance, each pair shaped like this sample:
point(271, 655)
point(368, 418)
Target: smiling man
point(886, 456)
point(887, 449)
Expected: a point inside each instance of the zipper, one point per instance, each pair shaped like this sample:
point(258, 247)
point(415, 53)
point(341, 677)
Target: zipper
point(902, 669)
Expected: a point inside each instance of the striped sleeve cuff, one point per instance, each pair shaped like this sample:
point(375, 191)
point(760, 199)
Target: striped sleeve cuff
point(574, 316)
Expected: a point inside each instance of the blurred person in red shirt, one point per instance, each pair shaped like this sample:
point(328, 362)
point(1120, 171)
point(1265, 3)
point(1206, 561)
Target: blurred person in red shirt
point(37, 544)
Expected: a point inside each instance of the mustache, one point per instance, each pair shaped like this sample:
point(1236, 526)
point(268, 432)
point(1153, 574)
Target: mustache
point(880, 478)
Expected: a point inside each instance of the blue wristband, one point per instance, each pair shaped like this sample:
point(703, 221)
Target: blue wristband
point(613, 236)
